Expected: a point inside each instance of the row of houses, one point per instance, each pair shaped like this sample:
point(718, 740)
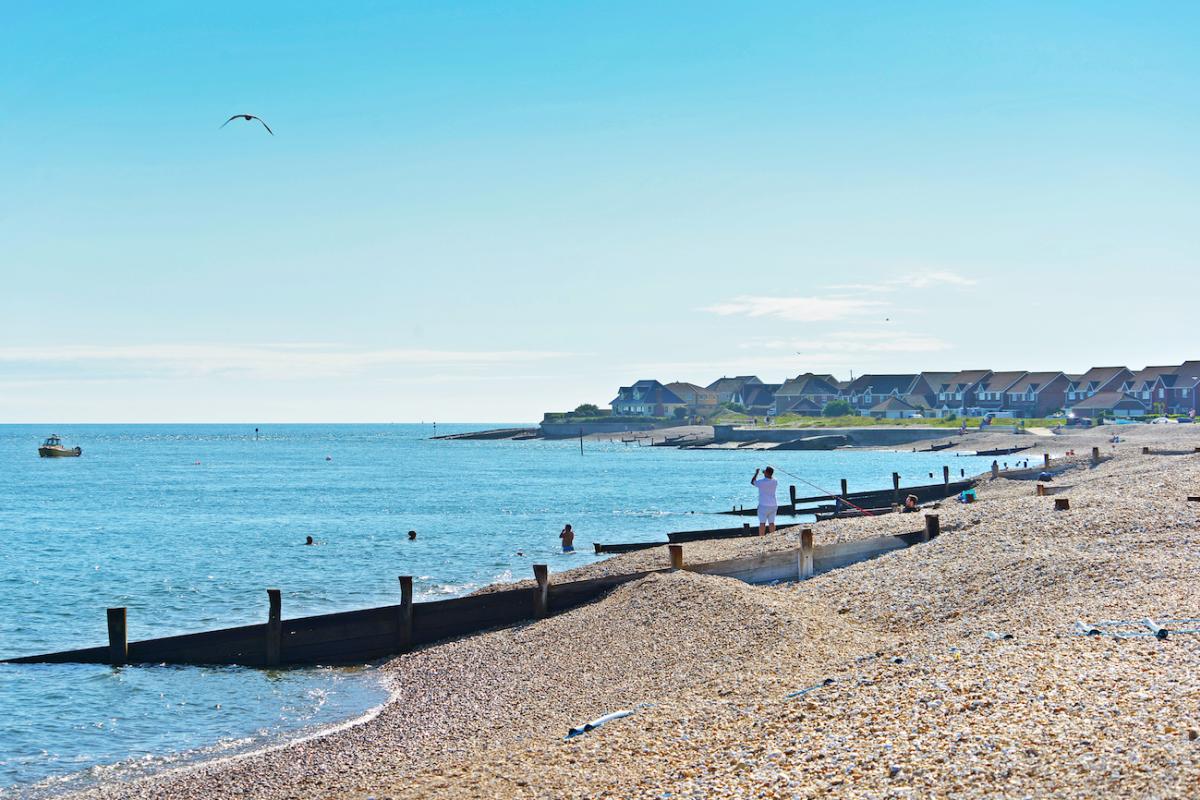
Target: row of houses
point(1114, 391)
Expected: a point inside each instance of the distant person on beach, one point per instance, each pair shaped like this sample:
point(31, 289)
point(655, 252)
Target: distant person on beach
point(412, 536)
point(767, 505)
point(568, 539)
point(910, 504)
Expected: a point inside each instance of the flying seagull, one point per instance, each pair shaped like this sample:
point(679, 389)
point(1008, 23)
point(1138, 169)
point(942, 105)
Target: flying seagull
point(248, 117)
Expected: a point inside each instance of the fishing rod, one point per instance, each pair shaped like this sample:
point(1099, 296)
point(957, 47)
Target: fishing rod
point(826, 491)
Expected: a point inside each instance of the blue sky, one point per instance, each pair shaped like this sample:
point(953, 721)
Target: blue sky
point(479, 211)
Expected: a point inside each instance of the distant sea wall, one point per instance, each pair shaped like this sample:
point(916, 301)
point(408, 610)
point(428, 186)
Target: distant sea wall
point(859, 437)
point(563, 430)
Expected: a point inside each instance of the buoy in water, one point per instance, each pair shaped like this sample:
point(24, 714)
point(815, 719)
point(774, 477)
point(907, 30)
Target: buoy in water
point(329, 458)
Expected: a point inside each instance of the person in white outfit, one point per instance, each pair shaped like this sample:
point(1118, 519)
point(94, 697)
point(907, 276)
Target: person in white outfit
point(767, 504)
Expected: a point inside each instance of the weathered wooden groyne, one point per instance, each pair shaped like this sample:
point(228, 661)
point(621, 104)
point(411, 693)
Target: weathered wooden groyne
point(356, 637)
point(681, 537)
point(871, 498)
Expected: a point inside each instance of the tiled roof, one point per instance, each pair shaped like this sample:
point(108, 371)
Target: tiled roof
point(882, 384)
point(732, 384)
point(807, 384)
point(1107, 401)
point(1000, 381)
point(1033, 380)
point(1098, 375)
point(893, 404)
point(965, 379)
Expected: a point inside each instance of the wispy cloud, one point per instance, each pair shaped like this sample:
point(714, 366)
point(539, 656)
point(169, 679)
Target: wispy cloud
point(799, 309)
point(870, 342)
point(924, 279)
point(275, 361)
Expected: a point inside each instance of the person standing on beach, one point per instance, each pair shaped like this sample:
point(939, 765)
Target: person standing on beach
point(568, 539)
point(767, 504)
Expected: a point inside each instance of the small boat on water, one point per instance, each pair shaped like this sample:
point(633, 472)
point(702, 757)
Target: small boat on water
point(53, 448)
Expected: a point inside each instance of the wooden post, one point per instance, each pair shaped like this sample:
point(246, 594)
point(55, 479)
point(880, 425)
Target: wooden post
point(792, 495)
point(804, 559)
point(1046, 459)
point(895, 488)
point(995, 470)
point(274, 627)
point(946, 477)
point(933, 527)
point(1095, 455)
point(1040, 490)
point(1062, 504)
point(1193, 499)
point(1145, 451)
point(118, 643)
point(541, 602)
point(404, 623)
point(845, 488)
point(676, 556)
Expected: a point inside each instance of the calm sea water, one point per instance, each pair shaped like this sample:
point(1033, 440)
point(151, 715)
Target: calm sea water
point(186, 526)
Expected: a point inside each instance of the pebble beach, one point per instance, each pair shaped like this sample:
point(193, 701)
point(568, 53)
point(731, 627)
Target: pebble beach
point(953, 668)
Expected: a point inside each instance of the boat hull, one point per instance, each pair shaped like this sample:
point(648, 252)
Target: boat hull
point(60, 452)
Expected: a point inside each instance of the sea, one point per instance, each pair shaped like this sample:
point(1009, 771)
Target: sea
point(186, 526)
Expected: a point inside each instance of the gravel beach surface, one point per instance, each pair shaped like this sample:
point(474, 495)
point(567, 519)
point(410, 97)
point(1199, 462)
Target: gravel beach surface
point(953, 668)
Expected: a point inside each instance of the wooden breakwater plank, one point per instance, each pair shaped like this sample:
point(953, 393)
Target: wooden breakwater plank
point(777, 565)
point(852, 513)
point(368, 634)
point(625, 547)
point(683, 537)
point(843, 554)
point(874, 498)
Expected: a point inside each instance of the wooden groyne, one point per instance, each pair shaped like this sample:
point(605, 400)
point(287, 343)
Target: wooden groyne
point(356, 637)
point(870, 499)
point(681, 537)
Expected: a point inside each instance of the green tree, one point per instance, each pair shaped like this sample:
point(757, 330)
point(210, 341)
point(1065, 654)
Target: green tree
point(587, 410)
point(837, 408)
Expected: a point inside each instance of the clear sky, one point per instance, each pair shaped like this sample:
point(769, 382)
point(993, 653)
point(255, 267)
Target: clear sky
point(480, 211)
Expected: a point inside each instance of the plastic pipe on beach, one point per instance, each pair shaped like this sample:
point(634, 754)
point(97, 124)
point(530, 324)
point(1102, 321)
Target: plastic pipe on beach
point(579, 730)
point(118, 644)
point(1158, 630)
point(541, 601)
point(274, 627)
